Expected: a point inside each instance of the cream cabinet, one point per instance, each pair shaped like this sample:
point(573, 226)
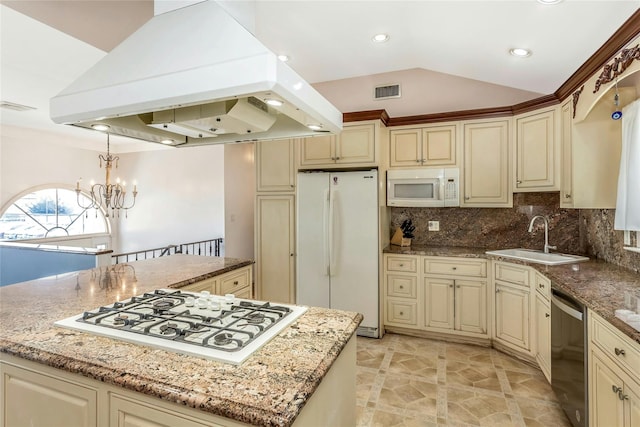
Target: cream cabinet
point(512, 306)
point(543, 322)
point(566, 177)
point(275, 165)
point(33, 399)
point(237, 282)
point(436, 294)
point(486, 180)
point(401, 290)
point(127, 412)
point(536, 159)
point(614, 372)
point(426, 146)
point(274, 247)
point(355, 146)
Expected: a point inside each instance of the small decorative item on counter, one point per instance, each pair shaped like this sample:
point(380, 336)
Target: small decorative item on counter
point(403, 234)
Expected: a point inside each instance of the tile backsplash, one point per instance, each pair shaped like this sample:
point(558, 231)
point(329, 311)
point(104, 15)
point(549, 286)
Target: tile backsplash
point(577, 231)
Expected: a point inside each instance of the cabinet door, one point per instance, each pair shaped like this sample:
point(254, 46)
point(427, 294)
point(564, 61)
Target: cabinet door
point(512, 315)
point(439, 145)
point(632, 401)
point(318, 150)
point(486, 165)
point(405, 148)
point(34, 399)
point(566, 178)
point(438, 303)
point(125, 412)
point(275, 165)
point(535, 167)
point(543, 335)
point(356, 144)
point(471, 306)
point(607, 410)
point(275, 240)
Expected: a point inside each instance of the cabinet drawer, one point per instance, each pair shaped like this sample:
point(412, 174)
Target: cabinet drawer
point(401, 286)
point(456, 266)
point(618, 346)
point(512, 273)
point(234, 281)
point(402, 312)
point(400, 263)
point(542, 285)
point(203, 285)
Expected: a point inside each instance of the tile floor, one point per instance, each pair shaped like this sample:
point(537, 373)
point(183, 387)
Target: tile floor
point(406, 381)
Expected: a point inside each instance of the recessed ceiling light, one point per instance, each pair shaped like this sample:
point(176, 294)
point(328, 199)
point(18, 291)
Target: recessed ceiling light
point(101, 127)
point(283, 58)
point(381, 38)
point(167, 141)
point(314, 127)
point(520, 52)
point(549, 1)
point(274, 102)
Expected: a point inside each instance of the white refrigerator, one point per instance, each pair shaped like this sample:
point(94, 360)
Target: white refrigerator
point(337, 243)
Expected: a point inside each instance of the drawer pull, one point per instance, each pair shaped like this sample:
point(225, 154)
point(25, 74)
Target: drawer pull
point(454, 268)
point(622, 396)
point(401, 265)
point(451, 286)
point(235, 282)
point(616, 389)
point(401, 287)
point(540, 285)
point(402, 313)
point(619, 351)
point(546, 315)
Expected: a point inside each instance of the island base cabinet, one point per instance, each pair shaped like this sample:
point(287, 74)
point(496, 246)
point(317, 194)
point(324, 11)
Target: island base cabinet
point(33, 399)
point(36, 395)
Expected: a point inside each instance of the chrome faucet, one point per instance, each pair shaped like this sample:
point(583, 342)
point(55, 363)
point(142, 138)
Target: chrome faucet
point(546, 232)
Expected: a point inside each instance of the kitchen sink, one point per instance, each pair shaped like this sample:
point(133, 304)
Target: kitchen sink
point(538, 257)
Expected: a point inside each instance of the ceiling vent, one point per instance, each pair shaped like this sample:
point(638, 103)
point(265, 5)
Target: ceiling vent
point(386, 91)
point(15, 107)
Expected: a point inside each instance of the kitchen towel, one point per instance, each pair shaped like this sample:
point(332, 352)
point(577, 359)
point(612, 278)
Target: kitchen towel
point(628, 201)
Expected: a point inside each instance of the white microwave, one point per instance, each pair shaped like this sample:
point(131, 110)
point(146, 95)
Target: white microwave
point(424, 187)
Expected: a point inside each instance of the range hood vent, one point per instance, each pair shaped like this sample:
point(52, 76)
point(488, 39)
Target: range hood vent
point(195, 76)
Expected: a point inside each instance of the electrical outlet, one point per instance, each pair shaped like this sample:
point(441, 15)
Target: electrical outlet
point(434, 226)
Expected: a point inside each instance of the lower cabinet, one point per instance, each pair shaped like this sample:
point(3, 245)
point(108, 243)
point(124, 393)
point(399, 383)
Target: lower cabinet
point(437, 294)
point(237, 282)
point(512, 315)
point(126, 412)
point(58, 402)
point(614, 372)
point(543, 335)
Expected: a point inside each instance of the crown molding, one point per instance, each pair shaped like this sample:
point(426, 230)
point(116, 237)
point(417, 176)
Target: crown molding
point(359, 116)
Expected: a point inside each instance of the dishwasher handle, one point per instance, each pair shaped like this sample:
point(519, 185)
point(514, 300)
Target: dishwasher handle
point(563, 305)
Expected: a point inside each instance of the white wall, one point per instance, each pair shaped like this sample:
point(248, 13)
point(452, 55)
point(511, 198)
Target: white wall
point(181, 195)
point(180, 200)
point(239, 196)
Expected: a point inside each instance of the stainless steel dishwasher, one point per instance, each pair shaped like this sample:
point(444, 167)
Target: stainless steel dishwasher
point(569, 357)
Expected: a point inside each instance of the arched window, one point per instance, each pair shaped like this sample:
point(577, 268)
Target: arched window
point(49, 213)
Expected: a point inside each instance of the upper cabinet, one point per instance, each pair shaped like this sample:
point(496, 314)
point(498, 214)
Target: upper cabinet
point(355, 146)
point(536, 167)
point(486, 174)
point(275, 166)
point(426, 146)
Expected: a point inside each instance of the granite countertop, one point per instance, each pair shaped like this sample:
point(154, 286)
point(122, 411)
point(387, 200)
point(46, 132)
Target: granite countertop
point(599, 285)
point(268, 389)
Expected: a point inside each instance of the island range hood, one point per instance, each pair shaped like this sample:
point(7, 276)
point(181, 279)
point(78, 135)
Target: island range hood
point(195, 76)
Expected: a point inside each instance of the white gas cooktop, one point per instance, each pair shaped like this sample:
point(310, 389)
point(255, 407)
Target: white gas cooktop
point(225, 329)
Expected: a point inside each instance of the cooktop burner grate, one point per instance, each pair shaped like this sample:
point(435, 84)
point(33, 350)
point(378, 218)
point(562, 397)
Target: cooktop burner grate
point(186, 320)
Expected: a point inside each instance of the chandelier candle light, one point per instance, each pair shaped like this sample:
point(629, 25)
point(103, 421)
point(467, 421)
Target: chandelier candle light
point(108, 196)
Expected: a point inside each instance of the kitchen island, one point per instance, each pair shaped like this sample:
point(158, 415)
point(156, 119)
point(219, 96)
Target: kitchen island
point(304, 375)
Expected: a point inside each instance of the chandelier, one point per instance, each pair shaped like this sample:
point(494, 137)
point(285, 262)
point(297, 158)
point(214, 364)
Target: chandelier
point(108, 196)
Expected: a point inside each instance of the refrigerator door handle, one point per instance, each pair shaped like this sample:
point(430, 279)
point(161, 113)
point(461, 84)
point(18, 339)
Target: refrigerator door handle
point(332, 248)
point(325, 234)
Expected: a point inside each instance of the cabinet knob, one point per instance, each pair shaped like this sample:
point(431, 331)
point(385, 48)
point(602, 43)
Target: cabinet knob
point(418, 161)
point(451, 286)
point(616, 389)
point(235, 282)
point(402, 313)
point(567, 196)
point(497, 291)
point(518, 182)
point(337, 158)
point(290, 254)
point(619, 351)
point(540, 285)
point(454, 268)
point(546, 315)
point(466, 197)
point(458, 286)
point(401, 265)
point(622, 396)
point(401, 287)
